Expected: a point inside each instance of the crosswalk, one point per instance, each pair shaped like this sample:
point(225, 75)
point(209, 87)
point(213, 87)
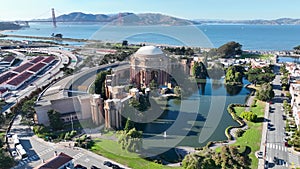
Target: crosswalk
point(277, 147)
point(45, 151)
point(25, 161)
point(77, 156)
point(280, 162)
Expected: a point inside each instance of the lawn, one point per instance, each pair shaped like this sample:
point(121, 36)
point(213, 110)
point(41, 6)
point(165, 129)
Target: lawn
point(252, 136)
point(113, 151)
point(257, 56)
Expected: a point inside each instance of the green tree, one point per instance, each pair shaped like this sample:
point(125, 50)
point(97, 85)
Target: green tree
point(234, 75)
point(131, 140)
point(177, 90)
point(153, 84)
point(191, 161)
point(5, 160)
point(249, 116)
point(28, 108)
point(260, 75)
point(265, 93)
point(297, 49)
point(229, 49)
point(54, 119)
point(100, 83)
point(199, 70)
point(2, 119)
point(129, 125)
point(283, 69)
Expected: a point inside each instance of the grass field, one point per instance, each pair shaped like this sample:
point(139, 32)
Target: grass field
point(252, 136)
point(112, 150)
point(256, 56)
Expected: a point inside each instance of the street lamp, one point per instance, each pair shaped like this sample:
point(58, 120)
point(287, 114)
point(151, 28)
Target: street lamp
point(72, 122)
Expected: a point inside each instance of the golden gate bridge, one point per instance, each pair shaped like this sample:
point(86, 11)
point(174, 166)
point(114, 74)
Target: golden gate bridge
point(55, 21)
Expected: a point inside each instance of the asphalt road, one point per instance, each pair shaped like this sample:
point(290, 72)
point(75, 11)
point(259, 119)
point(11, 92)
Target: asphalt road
point(38, 149)
point(275, 133)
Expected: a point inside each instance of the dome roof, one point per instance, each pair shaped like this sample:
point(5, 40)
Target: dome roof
point(149, 50)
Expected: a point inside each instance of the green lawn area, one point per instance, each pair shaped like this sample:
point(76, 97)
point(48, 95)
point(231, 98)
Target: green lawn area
point(256, 56)
point(252, 136)
point(112, 150)
point(239, 110)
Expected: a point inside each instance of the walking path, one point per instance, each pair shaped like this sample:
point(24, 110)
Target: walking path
point(263, 145)
point(235, 129)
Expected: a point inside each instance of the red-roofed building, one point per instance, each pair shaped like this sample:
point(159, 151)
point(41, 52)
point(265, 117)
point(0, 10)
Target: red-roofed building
point(6, 76)
point(60, 161)
point(37, 67)
point(18, 81)
point(3, 93)
point(37, 59)
point(23, 67)
point(49, 59)
point(7, 61)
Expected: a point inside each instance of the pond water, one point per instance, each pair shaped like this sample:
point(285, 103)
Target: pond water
point(198, 119)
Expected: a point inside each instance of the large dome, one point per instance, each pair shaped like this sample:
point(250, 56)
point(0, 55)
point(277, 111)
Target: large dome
point(149, 50)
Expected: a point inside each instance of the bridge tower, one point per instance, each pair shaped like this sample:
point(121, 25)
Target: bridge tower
point(53, 18)
point(120, 18)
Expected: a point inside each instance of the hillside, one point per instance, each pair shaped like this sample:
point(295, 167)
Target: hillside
point(280, 21)
point(9, 26)
point(124, 18)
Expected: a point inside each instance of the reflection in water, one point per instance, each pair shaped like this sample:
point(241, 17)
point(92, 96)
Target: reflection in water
point(216, 84)
point(233, 90)
point(201, 86)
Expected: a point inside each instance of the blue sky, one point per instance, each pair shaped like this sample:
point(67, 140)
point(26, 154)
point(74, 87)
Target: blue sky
point(190, 9)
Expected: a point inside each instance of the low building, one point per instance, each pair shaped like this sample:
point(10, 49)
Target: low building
point(7, 61)
point(60, 161)
point(71, 109)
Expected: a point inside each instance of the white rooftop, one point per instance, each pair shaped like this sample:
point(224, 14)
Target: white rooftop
point(149, 50)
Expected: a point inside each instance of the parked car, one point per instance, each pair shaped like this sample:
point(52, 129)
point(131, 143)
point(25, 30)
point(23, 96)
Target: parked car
point(94, 167)
point(115, 166)
point(266, 164)
point(107, 163)
point(14, 153)
point(260, 154)
point(284, 117)
point(276, 160)
point(286, 144)
point(79, 166)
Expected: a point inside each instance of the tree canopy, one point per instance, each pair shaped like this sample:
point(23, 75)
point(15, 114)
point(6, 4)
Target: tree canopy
point(228, 158)
point(199, 70)
point(131, 140)
point(265, 92)
point(260, 75)
point(100, 83)
point(249, 116)
point(54, 119)
point(234, 75)
point(229, 49)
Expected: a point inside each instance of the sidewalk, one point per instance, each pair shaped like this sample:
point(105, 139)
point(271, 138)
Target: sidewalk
point(263, 146)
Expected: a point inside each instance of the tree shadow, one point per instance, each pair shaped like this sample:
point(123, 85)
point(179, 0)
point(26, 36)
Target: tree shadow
point(260, 120)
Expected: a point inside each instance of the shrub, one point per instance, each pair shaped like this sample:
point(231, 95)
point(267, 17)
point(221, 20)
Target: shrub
point(249, 116)
point(73, 133)
point(239, 133)
point(67, 136)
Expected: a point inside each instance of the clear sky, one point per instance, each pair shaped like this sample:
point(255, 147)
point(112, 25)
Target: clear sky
point(189, 9)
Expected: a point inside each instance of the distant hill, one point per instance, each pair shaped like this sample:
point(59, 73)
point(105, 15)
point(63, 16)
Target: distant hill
point(124, 18)
point(281, 21)
point(9, 26)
